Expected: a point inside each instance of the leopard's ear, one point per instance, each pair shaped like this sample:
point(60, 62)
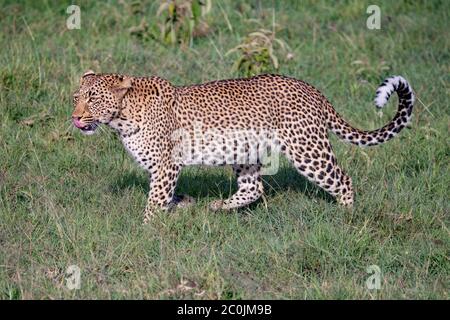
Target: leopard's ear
point(87, 73)
point(122, 88)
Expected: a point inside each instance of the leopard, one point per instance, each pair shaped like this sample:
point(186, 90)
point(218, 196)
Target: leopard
point(159, 123)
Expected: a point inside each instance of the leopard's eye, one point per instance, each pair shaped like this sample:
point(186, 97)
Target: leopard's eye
point(93, 99)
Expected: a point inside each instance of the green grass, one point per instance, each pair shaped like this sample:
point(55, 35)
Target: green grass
point(70, 199)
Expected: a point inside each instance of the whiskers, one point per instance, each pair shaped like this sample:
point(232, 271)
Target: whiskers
point(70, 127)
point(92, 128)
point(108, 132)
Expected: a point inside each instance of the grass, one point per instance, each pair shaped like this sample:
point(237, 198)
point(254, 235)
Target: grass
point(67, 199)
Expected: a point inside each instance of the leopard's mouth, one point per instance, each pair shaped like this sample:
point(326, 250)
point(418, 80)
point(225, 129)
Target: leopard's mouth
point(85, 128)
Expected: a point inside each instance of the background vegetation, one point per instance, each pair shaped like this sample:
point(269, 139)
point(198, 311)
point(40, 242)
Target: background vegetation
point(70, 199)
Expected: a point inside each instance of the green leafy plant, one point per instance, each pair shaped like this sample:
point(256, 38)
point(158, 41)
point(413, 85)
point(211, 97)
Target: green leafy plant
point(259, 53)
point(183, 20)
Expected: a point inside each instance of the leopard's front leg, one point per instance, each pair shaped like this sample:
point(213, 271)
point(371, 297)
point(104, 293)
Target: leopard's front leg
point(163, 180)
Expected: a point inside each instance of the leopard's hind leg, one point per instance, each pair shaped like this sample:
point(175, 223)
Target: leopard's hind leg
point(250, 188)
point(316, 161)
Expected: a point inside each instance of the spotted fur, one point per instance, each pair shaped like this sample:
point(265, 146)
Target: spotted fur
point(146, 112)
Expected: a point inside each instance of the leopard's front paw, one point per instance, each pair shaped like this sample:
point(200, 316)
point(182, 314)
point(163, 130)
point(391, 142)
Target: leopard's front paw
point(216, 205)
point(146, 220)
point(148, 215)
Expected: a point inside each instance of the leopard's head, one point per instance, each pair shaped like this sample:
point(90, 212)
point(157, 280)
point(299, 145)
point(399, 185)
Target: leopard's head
point(98, 100)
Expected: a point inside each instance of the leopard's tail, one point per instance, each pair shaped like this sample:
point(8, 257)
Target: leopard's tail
point(372, 138)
